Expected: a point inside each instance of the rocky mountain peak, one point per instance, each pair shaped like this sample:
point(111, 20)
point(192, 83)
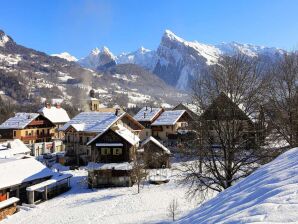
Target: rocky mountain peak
point(4, 38)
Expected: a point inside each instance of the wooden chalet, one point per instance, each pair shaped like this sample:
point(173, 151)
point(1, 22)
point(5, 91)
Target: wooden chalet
point(112, 152)
point(115, 145)
point(155, 155)
point(87, 125)
point(169, 123)
point(193, 110)
point(28, 127)
point(224, 110)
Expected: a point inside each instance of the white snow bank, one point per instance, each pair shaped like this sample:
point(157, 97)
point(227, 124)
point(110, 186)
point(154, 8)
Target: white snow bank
point(269, 195)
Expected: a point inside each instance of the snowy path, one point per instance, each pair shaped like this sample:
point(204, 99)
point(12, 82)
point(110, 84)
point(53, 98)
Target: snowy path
point(113, 205)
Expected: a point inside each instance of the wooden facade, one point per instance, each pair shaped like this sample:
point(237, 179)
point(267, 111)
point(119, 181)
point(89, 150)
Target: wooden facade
point(166, 132)
point(40, 129)
point(154, 156)
point(112, 148)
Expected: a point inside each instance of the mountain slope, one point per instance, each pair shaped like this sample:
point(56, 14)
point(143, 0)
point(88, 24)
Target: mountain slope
point(27, 76)
point(269, 195)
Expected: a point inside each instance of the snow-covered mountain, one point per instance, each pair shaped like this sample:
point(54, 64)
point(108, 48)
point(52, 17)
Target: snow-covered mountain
point(27, 76)
point(98, 59)
point(143, 57)
point(269, 195)
point(178, 61)
point(66, 56)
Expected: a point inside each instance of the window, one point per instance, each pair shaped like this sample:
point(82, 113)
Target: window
point(117, 151)
point(14, 133)
point(37, 131)
point(26, 133)
point(81, 140)
point(105, 151)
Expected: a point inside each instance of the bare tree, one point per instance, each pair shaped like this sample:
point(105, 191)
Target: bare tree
point(139, 171)
point(282, 106)
point(173, 209)
point(227, 143)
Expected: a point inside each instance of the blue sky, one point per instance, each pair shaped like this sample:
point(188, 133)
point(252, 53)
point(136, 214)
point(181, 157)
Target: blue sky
point(77, 26)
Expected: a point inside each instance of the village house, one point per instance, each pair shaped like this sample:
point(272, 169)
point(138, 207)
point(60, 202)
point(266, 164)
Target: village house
point(57, 115)
point(28, 127)
point(27, 181)
point(167, 126)
point(86, 125)
point(222, 111)
point(20, 173)
point(193, 110)
point(155, 155)
point(146, 116)
point(112, 151)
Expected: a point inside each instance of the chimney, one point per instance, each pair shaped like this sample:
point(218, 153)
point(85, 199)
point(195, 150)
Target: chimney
point(146, 107)
point(117, 111)
point(151, 108)
point(144, 115)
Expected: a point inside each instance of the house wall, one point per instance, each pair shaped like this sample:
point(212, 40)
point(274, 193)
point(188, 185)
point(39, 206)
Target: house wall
point(155, 157)
point(33, 135)
point(163, 131)
point(109, 178)
point(98, 154)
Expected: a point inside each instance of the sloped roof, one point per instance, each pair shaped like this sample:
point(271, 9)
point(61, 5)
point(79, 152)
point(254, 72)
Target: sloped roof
point(19, 121)
point(169, 117)
point(152, 139)
point(223, 108)
point(17, 171)
point(54, 114)
point(11, 148)
point(95, 122)
point(127, 134)
point(122, 132)
point(147, 113)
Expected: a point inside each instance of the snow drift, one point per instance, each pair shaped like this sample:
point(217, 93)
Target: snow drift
point(269, 195)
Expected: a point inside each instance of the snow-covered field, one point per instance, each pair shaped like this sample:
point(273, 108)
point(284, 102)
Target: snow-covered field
point(269, 195)
point(112, 205)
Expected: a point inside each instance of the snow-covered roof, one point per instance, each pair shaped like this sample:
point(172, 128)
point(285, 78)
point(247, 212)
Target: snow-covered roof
point(95, 122)
point(122, 132)
point(193, 107)
point(127, 134)
point(54, 114)
point(152, 139)
point(19, 121)
point(11, 148)
point(168, 117)
point(55, 179)
point(268, 195)
point(147, 113)
point(108, 166)
point(17, 171)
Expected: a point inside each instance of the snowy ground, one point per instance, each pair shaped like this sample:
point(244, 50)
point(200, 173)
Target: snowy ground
point(113, 205)
point(269, 195)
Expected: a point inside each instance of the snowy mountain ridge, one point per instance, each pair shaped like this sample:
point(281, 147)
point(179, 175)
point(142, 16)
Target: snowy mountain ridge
point(176, 60)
